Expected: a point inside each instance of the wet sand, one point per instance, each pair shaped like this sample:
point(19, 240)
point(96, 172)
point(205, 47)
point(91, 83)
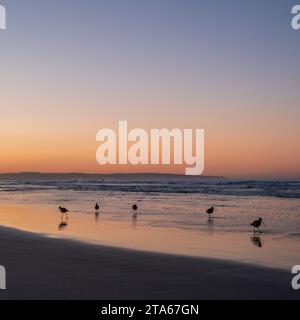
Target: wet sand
point(39, 267)
point(122, 230)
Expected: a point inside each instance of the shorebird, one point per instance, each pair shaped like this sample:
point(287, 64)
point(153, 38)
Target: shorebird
point(256, 224)
point(134, 207)
point(97, 206)
point(210, 210)
point(63, 210)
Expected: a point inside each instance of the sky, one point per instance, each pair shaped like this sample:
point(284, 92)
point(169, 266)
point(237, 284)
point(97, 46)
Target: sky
point(71, 67)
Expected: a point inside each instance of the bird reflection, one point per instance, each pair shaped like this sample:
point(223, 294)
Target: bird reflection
point(210, 224)
point(63, 223)
point(134, 220)
point(256, 241)
point(210, 220)
point(97, 215)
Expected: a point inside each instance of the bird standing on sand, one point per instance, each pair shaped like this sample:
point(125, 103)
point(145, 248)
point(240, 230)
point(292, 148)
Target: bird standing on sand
point(97, 206)
point(210, 210)
point(134, 207)
point(63, 210)
point(256, 224)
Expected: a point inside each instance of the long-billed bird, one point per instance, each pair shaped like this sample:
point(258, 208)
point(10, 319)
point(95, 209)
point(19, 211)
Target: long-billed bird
point(97, 206)
point(63, 210)
point(256, 224)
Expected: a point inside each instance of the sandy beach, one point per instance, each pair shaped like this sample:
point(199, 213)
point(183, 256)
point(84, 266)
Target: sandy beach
point(39, 267)
point(149, 150)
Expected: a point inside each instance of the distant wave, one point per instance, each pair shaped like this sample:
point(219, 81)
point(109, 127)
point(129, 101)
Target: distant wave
point(216, 186)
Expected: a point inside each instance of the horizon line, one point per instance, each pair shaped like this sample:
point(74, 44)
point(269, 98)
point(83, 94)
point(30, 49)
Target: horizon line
point(296, 178)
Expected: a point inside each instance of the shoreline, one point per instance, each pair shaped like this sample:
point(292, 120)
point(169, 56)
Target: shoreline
point(40, 267)
point(117, 228)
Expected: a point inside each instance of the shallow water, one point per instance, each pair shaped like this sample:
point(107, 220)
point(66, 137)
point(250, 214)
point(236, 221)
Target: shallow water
point(172, 222)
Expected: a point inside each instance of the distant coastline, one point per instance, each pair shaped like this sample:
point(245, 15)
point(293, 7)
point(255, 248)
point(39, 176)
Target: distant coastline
point(35, 175)
point(80, 175)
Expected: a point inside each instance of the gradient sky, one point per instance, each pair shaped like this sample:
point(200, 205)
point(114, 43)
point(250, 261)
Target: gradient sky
point(71, 67)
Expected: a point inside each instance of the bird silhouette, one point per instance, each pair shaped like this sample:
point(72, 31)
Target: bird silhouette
point(210, 210)
point(134, 207)
point(63, 210)
point(97, 206)
point(256, 224)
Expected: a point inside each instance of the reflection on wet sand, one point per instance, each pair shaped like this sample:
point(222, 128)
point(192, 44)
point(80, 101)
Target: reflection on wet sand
point(63, 223)
point(97, 215)
point(210, 224)
point(116, 229)
point(256, 240)
point(134, 220)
